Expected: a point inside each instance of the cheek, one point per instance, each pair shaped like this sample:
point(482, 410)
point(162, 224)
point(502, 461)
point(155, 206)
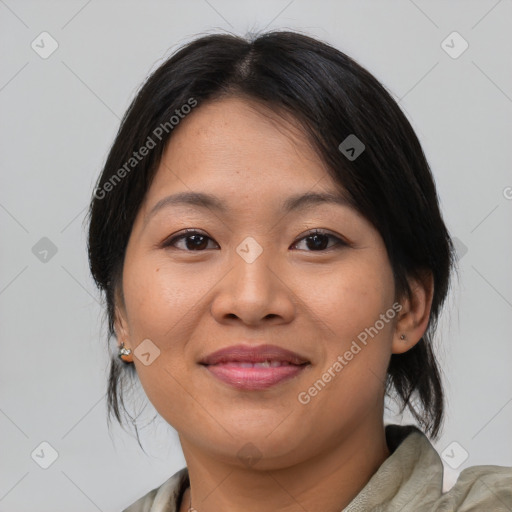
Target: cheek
point(351, 298)
point(355, 309)
point(159, 300)
point(160, 297)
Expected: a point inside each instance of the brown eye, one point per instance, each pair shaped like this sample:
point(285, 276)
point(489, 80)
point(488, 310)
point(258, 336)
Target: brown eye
point(319, 241)
point(196, 241)
point(193, 241)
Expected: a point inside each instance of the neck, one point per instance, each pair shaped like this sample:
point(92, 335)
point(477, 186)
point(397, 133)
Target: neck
point(328, 482)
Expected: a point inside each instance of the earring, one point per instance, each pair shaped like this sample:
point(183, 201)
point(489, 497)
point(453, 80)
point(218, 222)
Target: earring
point(125, 354)
point(402, 336)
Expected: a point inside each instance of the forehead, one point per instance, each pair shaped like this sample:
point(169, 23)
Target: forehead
point(214, 118)
point(240, 145)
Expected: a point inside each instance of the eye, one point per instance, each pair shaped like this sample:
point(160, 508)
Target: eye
point(318, 241)
point(193, 241)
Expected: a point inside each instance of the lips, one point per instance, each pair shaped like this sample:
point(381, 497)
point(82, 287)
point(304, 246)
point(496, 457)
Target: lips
point(254, 368)
point(254, 354)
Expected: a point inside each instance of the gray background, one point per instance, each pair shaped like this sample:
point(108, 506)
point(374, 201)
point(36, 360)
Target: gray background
point(59, 116)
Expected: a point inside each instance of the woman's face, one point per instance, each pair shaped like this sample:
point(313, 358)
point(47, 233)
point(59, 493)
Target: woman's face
point(250, 275)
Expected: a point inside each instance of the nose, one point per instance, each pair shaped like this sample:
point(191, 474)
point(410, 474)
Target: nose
point(255, 293)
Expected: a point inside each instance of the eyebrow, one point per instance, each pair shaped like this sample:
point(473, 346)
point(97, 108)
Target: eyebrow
point(210, 201)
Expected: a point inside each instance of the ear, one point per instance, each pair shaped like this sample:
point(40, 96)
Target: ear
point(121, 323)
point(415, 313)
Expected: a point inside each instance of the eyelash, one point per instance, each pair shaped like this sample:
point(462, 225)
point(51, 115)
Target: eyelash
point(169, 243)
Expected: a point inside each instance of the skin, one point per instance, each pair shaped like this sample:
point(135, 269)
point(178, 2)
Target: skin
point(190, 303)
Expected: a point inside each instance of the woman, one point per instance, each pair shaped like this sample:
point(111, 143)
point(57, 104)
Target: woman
point(268, 237)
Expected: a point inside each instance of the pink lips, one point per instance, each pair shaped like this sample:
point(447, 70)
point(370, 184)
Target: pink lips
point(254, 367)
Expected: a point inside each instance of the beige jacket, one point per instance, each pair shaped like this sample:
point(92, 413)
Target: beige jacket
point(409, 480)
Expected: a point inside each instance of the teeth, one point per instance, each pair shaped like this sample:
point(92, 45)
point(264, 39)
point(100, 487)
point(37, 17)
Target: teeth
point(270, 364)
point(263, 364)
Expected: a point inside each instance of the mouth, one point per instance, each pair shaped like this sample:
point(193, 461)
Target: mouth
point(254, 367)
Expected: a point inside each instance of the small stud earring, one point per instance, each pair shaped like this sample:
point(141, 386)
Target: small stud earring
point(402, 336)
point(125, 354)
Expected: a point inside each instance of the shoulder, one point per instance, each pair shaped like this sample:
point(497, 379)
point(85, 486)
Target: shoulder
point(163, 498)
point(411, 480)
point(480, 488)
